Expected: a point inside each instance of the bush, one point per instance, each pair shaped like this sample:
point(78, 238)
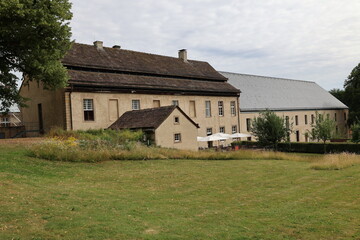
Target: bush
point(319, 147)
point(305, 147)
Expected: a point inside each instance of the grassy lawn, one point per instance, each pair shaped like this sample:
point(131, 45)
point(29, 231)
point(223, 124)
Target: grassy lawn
point(175, 199)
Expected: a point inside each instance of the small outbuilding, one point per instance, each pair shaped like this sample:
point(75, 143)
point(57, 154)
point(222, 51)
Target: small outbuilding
point(10, 123)
point(165, 126)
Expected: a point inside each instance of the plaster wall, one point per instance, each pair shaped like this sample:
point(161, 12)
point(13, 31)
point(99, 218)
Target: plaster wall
point(164, 134)
point(103, 117)
point(302, 127)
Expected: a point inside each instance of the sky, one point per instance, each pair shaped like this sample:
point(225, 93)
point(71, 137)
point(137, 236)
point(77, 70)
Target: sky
point(313, 40)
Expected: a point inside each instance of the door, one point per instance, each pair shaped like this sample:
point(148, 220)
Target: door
point(41, 121)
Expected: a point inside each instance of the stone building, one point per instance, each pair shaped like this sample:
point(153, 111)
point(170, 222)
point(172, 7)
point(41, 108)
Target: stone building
point(10, 123)
point(107, 82)
point(297, 101)
point(165, 126)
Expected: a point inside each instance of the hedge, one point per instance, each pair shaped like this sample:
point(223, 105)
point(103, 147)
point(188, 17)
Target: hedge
point(306, 147)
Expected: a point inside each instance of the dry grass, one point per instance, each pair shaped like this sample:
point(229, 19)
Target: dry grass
point(336, 161)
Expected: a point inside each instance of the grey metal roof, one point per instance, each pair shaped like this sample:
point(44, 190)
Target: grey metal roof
point(259, 93)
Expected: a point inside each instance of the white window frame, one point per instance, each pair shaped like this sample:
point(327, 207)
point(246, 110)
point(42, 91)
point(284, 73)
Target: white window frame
point(5, 122)
point(209, 131)
point(135, 104)
point(233, 129)
point(208, 108)
point(233, 108)
point(88, 106)
point(177, 137)
point(221, 108)
point(222, 129)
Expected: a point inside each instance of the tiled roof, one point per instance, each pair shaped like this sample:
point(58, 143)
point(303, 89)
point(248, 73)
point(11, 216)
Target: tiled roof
point(146, 118)
point(151, 83)
point(113, 69)
point(82, 55)
point(259, 93)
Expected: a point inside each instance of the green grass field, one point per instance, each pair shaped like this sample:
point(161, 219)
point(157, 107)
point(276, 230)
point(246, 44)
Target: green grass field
point(175, 199)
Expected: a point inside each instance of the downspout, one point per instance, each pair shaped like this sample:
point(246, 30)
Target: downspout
point(70, 103)
point(238, 111)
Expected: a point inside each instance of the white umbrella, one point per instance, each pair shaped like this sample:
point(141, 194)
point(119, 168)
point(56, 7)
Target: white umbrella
point(240, 135)
point(223, 136)
point(210, 138)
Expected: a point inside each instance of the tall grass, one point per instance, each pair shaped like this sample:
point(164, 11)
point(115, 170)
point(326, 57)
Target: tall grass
point(74, 150)
point(102, 145)
point(336, 161)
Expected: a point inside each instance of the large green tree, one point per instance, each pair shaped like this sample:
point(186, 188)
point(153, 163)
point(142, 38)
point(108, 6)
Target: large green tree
point(34, 37)
point(270, 129)
point(350, 96)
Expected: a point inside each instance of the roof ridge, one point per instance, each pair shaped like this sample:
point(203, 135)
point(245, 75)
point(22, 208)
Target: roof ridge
point(279, 78)
point(128, 50)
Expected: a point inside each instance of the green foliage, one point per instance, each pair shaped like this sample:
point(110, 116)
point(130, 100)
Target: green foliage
point(353, 80)
point(351, 94)
point(34, 37)
point(310, 147)
point(323, 128)
point(270, 129)
point(107, 136)
point(355, 133)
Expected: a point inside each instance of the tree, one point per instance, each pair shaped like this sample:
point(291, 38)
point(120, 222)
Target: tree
point(355, 128)
point(269, 128)
point(34, 37)
point(351, 94)
point(353, 80)
point(322, 129)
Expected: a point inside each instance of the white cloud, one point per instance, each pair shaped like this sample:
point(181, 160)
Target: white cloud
point(310, 40)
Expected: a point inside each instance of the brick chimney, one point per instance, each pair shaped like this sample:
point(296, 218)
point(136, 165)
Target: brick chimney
point(183, 55)
point(98, 44)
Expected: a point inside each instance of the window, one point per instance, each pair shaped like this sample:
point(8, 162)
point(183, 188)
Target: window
point(208, 131)
point(321, 117)
point(335, 117)
point(156, 103)
point(296, 120)
point(177, 137)
point(175, 102)
point(207, 108)
point(312, 119)
point(344, 116)
point(222, 129)
point(306, 122)
point(88, 109)
point(135, 104)
point(337, 130)
point(328, 116)
point(232, 108)
point(192, 109)
point(297, 136)
point(248, 124)
point(5, 122)
point(234, 129)
point(287, 122)
point(221, 108)
point(176, 120)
